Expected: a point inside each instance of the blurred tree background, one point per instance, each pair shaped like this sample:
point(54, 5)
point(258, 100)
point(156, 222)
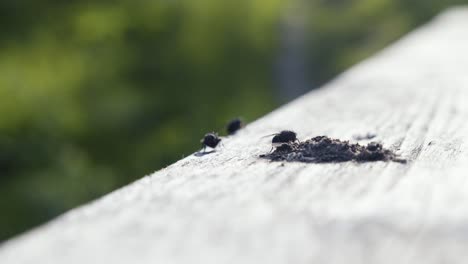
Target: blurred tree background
point(96, 94)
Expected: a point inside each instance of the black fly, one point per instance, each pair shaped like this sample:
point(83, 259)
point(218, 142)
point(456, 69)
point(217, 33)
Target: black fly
point(210, 140)
point(284, 136)
point(233, 126)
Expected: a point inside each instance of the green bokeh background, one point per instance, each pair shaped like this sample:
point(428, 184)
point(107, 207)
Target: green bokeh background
point(96, 94)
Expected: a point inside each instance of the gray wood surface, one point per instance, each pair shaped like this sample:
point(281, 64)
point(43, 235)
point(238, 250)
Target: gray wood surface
point(232, 207)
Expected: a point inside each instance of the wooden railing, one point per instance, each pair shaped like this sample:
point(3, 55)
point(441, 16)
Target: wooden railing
point(231, 206)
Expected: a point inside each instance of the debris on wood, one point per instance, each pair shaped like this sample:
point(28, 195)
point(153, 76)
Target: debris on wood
point(323, 149)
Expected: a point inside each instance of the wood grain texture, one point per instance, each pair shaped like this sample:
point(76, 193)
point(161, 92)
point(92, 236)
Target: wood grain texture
point(232, 207)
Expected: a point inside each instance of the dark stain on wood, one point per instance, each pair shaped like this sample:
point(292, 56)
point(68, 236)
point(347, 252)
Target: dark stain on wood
point(366, 136)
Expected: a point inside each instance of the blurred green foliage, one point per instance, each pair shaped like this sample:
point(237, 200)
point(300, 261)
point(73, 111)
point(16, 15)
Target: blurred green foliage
point(96, 94)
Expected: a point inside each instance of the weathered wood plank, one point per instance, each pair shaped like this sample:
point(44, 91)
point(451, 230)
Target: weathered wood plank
point(232, 207)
